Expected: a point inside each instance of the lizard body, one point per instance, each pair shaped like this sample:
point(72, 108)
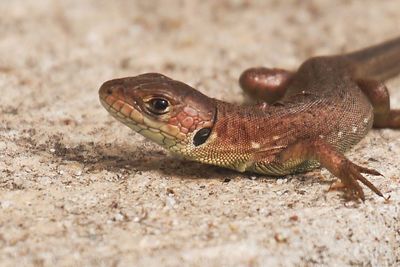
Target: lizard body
point(307, 118)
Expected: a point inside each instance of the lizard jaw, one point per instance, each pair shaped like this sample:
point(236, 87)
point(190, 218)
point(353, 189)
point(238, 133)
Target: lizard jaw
point(165, 135)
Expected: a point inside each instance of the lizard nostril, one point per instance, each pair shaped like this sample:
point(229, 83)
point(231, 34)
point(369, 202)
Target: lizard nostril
point(109, 91)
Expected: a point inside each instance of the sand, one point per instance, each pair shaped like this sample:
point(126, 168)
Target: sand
point(77, 188)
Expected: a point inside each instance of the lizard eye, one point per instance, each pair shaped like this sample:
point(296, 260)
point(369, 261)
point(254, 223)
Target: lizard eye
point(158, 106)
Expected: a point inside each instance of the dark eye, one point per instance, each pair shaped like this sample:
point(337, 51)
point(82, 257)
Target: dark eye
point(159, 105)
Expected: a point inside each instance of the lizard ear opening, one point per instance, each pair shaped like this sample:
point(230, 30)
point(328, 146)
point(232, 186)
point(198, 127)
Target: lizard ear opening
point(201, 136)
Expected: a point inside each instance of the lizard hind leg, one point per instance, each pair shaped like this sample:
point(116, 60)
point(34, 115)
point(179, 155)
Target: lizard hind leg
point(378, 94)
point(263, 84)
point(349, 173)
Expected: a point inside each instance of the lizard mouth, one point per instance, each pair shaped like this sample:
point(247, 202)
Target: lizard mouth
point(130, 115)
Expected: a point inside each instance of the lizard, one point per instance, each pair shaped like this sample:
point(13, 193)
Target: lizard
point(301, 119)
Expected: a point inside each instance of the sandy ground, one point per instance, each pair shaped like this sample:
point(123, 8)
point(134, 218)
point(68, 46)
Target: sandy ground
point(79, 188)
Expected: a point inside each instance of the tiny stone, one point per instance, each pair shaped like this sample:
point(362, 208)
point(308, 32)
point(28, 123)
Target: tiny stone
point(5, 204)
point(281, 181)
point(171, 201)
point(119, 217)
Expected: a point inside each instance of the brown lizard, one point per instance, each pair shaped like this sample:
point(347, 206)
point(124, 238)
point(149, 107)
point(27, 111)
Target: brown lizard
point(308, 118)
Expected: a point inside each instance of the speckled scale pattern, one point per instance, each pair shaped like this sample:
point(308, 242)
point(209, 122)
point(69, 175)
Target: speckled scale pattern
point(249, 138)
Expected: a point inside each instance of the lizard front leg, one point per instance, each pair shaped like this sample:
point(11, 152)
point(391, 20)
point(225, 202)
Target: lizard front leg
point(349, 173)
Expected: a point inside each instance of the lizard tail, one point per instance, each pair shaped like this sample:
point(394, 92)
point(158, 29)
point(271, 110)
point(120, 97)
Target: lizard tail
point(379, 62)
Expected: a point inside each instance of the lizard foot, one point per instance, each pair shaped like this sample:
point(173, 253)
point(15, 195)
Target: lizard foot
point(350, 173)
point(337, 185)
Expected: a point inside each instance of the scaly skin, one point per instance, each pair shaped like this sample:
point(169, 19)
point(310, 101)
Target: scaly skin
point(307, 118)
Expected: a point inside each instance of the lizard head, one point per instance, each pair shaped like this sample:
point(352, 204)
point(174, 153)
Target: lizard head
point(168, 112)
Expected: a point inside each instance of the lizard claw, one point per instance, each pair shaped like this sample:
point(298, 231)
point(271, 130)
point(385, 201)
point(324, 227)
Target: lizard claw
point(351, 174)
point(368, 171)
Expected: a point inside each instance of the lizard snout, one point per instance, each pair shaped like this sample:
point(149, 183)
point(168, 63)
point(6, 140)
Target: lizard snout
point(113, 88)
